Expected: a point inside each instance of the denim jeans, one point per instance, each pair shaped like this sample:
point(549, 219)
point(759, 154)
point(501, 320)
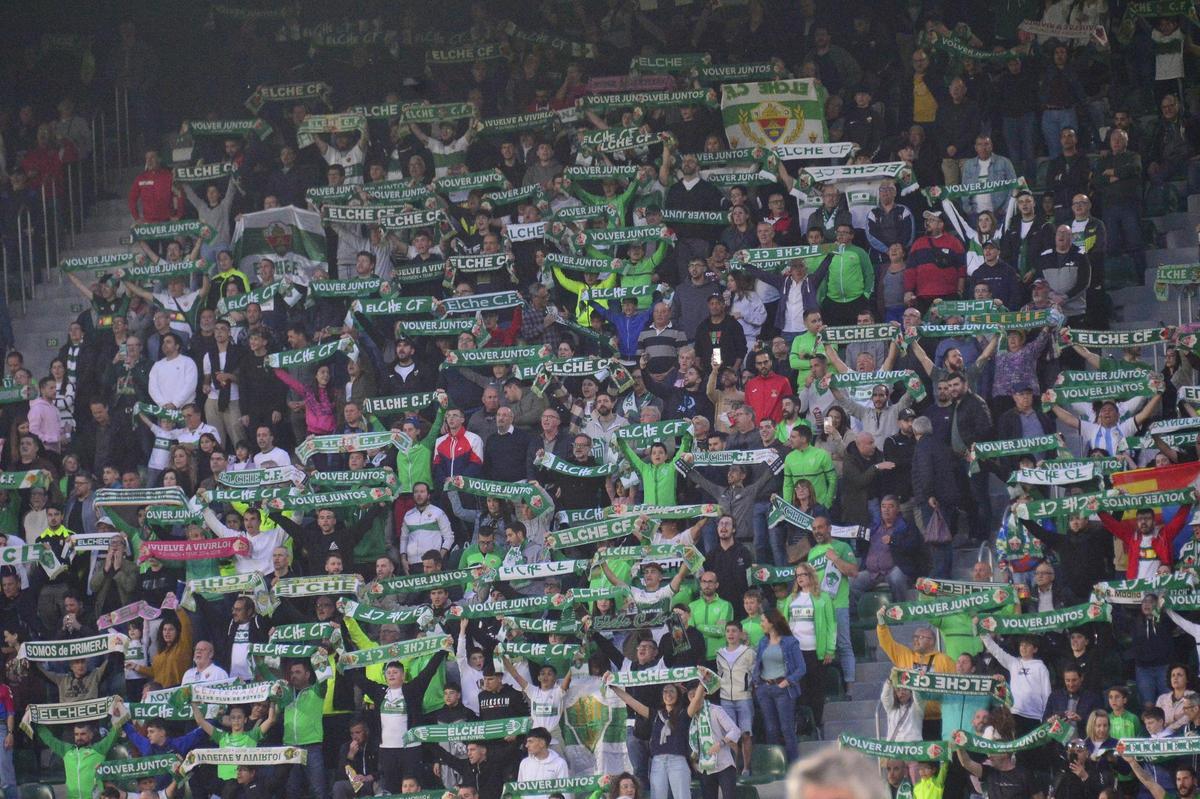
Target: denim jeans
point(639, 756)
point(864, 581)
point(1019, 137)
point(8, 774)
point(778, 709)
point(1125, 232)
point(312, 773)
point(845, 650)
point(1151, 682)
point(768, 546)
point(670, 777)
point(1053, 121)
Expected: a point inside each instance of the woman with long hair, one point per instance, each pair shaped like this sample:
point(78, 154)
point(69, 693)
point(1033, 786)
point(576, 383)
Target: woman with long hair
point(173, 657)
point(745, 306)
point(670, 773)
point(64, 399)
point(183, 462)
point(779, 671)
point(1172, 701)
point(834, 435)
point(804, 497)
point(810, 615)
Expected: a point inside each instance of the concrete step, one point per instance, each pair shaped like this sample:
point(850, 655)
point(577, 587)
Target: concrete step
point(1181, 238)
point(832, 729)
point(861, 709)
point(1154, 258)
point(1181, 220)
point(872, 671)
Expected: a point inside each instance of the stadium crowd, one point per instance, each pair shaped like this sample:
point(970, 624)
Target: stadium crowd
point(491, 411)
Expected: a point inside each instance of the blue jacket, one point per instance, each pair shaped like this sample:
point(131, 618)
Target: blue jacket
point(793, 661)
point(628, 327)
point(180, 745)
point(1002, 169)
point(785, 286)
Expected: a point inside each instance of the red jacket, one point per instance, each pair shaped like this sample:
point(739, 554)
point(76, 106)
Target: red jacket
point(153, 189)
point(924, 277)
point(765, 396)
point(1127, 533)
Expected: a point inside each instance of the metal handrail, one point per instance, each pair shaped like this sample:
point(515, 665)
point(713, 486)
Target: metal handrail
point(22, 236)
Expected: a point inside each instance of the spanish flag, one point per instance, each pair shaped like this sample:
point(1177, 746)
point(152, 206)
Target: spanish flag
point(1156, 478)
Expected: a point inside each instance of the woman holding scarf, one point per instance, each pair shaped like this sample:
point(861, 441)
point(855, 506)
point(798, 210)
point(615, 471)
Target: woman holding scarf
point(812, 621)
point(670, 774)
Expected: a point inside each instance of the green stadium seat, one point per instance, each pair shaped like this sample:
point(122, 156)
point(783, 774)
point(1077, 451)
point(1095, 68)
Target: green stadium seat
point(746, 792)
point(868, 605)
point(768, 763)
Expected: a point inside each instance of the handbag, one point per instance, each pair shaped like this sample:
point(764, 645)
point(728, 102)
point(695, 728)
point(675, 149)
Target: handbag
point(937, 531)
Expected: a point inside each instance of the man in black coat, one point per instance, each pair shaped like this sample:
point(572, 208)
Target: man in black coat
point(1073, 702)
point(935, 486)
point(1023, 420)
point(407, 376)
point(361, 754)
point(505, 450)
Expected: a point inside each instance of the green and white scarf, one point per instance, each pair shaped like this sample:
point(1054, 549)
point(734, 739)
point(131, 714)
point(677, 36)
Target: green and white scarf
point(709, 509)
point(19, 481)
point(341, 289)
point(306, 631)
point(535, 571)
point(350, 442)
point(1156, 748)
point(1131, 592)
point(988, 450)
point(476, 303)
point(920, 751)
point(137, 767)
point(359, 477)
point(858, 333)
point(486, 262)
point(259, 296)
point(533, 496)
point(464, 731)
point(542, 626)
point(401, 403)
point(1053, 730)
point(647, 432)
point(614, 140)
point(252, 584)
point(566, 785)
point(159, 231)
point(701, 739)
point(320, 585)
point(205, 173)
point(530, 355)
point(662, 676)
point(226, 128)
point(1055, 475)
point(73, 648)
point(854, 172)
point(951, 45)
point(401, 650)
point(735, 457)
point(1015, 320)
point(937, 683)
point(420, 582)
point(68, 713)
point(655, 553)
point(1046, 621)
point(737, 73)
point(98, 263)
point(610, 102)
point(12, 394)
point(935, 194)
point(1186, 275)
point(287, 93)
point(678, 64)
point(913, 385)
point(313, 354)
point(608, 237)
point(782, 511)
point(410, 220)
point(1117, 338)
point(904, 612)
point(249, 478)
point(761, 574)
point(352, 609)
point(1145, 386)
point(145, 272)
point(345, 498)
point(553, 463)
point(607, 530)
point(155, 412)
point(513, 607)
point(19, 554)
point(487, 179)
point(601, 172)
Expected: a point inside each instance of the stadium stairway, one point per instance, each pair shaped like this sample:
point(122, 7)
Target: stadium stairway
point(42, 329)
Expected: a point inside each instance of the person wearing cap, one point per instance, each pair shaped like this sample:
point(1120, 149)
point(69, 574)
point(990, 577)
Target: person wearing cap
point(936, 265)
point(1000, 278)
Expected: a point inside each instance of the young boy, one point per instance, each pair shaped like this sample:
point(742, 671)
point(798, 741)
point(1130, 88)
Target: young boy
point(238, 737)
point(931, 780)
point(752, 624)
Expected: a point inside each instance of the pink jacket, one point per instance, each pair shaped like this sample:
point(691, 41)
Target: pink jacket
point(44, 422)
point(320, 409)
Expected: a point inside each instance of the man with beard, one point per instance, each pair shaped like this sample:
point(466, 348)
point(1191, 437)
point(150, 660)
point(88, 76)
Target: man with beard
point(689, 193)
point(603, 423)
point(572, 491)
point(688, 400)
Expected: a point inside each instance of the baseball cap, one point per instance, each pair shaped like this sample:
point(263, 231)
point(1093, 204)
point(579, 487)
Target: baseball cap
point(1021, 387)
point(908, 413)
point(933, 215)
point(991, 243)
point(1040, 282)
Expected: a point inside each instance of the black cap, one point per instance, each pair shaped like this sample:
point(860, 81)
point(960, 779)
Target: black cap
point(908, 413)
point(717, 295)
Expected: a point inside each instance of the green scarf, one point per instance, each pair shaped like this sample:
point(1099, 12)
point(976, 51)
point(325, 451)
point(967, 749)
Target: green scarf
point(1014, 320)
point(475, 303)
point(710, 509)
point(988, 450)
point(530, 355)
point(609, 237)
point(464, 731)
point(350, 442)
point(352, 609)
point(760, 574)
point(400, 403)
point(533, 496)
point(1054, 475)
point(252, 583)
point(951, 45)
point(1154, 748)
point(614, 140)
point(601, 172)
point(606, 530)
point(513, 607)
point(160, 231)
point(19, 481)
point(1078, 377)
point(72, 649)
point(542, 626)
point(904, 612)
point(343, 289)
point(1053, 730)
point(249, 478)
point(223, 129)
point(701, 739)
point(347, 498)
point(737, 73)
point(1130, 592)
point(944, 309)
point(859, 333)
point(320, 585)
point(143, 272)
point(205, 173)
point(410, 220)
point(566, 785)
point(1186, 275)
point(553, 463)
point(488, 262)
point(602, 103)
point(662, 676)
point(98, 263)
point(1117, 338)
point(678, 64)
point(578, 263)
point(1145, 386)
point(401, 650)
point(137, 767)
point(345, 477)
point(937, 683)
point(488, 179)
point(715, 218)
point(131, 497)
point(312, 354)
point(288, 93)
point(921, 751)
point(654, 431)
point(913, 385)
point(414, 583)
point(783, 511)
point(1047, 621)
point(259, 296)
point(465, 54)
point(956, 191)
